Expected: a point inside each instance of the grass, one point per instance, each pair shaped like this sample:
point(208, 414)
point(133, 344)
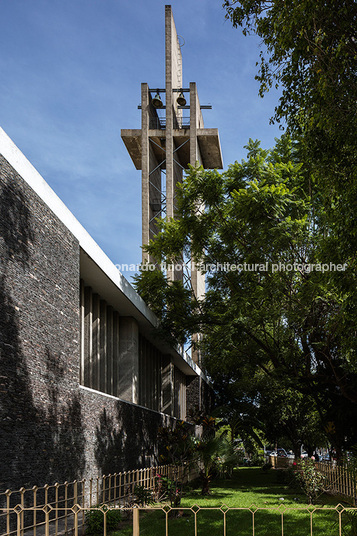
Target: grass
point(257, 497)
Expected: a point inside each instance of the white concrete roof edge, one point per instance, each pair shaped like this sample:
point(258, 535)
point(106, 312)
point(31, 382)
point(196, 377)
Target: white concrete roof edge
point(33, 178)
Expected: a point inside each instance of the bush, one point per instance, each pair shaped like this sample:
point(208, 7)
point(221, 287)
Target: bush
point(311, 481)
point(95, 520)
point(143, 496)
point(165, 488)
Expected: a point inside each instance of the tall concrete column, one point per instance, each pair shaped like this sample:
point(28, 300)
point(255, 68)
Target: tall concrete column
point(145, 167)
point(169, 145)
point(129, 359)
point(196, 123)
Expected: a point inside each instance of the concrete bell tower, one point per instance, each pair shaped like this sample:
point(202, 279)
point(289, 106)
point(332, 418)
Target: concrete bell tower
point(172, 135)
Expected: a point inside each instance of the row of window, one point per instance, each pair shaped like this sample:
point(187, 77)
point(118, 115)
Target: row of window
point(116, 359)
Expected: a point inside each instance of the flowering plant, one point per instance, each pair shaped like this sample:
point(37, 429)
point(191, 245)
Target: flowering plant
point(311, 481)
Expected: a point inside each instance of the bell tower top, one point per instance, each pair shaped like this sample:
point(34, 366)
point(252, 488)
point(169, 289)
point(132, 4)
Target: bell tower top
point(173, 57)
point(171, 137)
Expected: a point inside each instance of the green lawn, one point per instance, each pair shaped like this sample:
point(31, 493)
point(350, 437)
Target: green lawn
point(273, 503)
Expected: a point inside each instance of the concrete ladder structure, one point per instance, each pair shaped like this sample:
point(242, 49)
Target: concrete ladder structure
point(167, 143)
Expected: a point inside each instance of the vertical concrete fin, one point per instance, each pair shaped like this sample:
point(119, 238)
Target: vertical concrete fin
point(129, 359)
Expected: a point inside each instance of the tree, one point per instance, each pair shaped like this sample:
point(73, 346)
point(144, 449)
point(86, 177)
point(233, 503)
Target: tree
point(177, 447)
point(290, 418)
point(263, 226)
point(310, 52)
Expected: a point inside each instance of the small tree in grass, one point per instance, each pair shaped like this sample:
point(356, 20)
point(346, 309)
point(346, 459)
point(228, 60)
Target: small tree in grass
point(177, 448)
point(311, 481)
point(216, 456)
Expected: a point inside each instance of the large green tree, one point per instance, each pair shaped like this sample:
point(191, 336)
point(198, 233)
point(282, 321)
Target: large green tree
point(262, 309)
point(309, 50)
point(293, 205)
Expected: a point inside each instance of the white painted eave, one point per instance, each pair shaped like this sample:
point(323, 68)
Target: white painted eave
point(92, 256)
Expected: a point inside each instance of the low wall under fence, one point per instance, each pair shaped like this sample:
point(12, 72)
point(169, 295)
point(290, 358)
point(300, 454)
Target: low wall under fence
point(60, 508)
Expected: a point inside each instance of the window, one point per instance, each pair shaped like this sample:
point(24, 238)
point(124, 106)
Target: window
point(179, 394)
point(99, 343)
point(150, 363)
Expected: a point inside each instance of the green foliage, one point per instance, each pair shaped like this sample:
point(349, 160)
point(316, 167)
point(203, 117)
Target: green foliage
point(168, 303)
point(217, 456)
point(167, 488)
point(95, 520)
point(289, 417)
point(256, 460)
point(350, 526)
point(177, 447)
point(271, 337)
point(143, 496)
point(310, 52)
point(176, 444)
point(311, 481)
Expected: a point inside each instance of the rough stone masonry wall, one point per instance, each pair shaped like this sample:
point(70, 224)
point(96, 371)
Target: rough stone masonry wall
point(51, 429)
point(41, 434)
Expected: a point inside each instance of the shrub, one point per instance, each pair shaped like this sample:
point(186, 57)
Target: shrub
point(311, 481)
point(143, 496)
point(165, 488)
point(95, 520)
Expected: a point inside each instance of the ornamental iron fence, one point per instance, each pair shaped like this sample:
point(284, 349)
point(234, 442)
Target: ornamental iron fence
point(28, 510)
point(198, 521)
point(61, 509)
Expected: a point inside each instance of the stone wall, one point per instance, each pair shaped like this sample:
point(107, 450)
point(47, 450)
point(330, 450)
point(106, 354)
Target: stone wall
point(119, 436)
point(51, 429)
point(41, 434)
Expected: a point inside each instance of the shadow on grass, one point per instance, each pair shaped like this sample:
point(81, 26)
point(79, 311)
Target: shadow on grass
point(211, 522)
point(270, 516)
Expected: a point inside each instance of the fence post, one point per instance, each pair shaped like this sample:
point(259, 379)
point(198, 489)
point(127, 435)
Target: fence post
point(18, 514)
point(34, 503)
point(66, 506)
point(83, 501)
point(56, 512)
point(8, 495)
point(136, 522)
point(110, 488)
point(75, 493)
point(22, 518)
point(103, 484)
point(97, 499)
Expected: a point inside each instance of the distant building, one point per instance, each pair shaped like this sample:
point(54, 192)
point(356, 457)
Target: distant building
point(84, 383)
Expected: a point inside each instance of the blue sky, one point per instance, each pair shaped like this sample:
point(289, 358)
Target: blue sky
point(70, 81)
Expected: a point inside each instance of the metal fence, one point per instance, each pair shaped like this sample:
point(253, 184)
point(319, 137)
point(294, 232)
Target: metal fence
point(215, 521)
point(341, 478)
point(62, 506)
